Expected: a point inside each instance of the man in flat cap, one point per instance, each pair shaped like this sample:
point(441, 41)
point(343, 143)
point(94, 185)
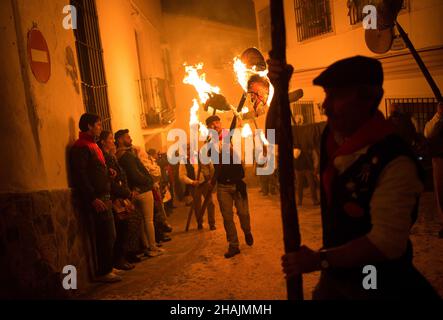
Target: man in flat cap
point(231, 191)
point(370, 186)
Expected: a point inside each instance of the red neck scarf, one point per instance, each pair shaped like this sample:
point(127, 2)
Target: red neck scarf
point(373, 131)
point(86, 140)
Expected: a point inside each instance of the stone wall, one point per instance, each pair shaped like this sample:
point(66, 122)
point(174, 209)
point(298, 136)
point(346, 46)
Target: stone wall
point(40, 233)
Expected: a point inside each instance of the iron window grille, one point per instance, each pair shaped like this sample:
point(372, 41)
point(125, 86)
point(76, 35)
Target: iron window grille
point(356, 9)
point(312, 18)
point(90, 59)
point(264, 26)
point(421, 110)
point(303, 112)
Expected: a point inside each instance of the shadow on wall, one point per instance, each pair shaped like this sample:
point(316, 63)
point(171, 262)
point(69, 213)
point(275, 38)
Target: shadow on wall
point(41, 233)
point(71, 68)
point(72, 137)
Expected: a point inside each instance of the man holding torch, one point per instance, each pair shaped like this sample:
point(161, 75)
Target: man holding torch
point(231, 191)
point(370, 186)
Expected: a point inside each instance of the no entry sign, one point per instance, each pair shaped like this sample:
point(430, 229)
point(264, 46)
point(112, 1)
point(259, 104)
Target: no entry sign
point(38, 55)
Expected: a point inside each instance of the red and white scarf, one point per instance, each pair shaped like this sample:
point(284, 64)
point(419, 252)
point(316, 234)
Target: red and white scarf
point(373, 131)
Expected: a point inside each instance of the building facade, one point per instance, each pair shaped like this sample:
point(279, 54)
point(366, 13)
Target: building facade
point(121, 59)
point(320, 32)
point(98, 67)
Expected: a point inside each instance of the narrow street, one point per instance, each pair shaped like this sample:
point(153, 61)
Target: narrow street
point(193, 266)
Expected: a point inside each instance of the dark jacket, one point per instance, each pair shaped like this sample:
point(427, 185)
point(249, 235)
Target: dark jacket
point(89, 173)
point(138, 176)
point(355, 186)
point(119, 184)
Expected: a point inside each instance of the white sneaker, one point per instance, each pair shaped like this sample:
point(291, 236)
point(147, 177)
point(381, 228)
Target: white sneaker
point(153, 253)
point(117, 272)
point(109, 278)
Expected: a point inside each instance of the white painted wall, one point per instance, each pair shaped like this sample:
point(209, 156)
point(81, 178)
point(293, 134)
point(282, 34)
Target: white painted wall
point(38, 121)
point(423, 23)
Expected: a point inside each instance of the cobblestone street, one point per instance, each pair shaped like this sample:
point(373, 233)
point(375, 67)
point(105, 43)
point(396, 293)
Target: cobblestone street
point(193, 266)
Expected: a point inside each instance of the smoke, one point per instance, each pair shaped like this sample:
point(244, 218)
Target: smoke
point(234, 12)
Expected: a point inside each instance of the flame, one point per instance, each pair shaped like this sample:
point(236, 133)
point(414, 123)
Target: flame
point(263, 139)
point(246, 131)
point(244, 74)
point(193, 120)
point(199, 82)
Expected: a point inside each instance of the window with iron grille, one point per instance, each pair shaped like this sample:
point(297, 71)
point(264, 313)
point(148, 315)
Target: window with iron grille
point(157, 100)
point(312, 18)
point(303, 112)
point(421, 110)
point(90, 59)
point(264, 28)
point(356, 9)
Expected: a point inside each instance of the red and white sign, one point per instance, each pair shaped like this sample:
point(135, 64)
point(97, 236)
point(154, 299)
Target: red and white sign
point(38, 55)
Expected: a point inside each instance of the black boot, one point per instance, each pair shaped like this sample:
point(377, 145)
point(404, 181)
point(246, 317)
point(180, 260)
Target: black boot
point(249, 239)
point(232, 251)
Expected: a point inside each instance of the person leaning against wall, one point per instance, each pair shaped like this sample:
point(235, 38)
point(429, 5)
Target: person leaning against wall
point(141, 182)
point(92, 182)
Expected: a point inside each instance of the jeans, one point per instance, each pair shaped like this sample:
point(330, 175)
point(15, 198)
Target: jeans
point(104, 238)
point(227, 197)
point(145, 203)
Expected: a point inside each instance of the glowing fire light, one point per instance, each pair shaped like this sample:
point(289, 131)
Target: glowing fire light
point(193, 120)
point(199, 82)
point(246, 131)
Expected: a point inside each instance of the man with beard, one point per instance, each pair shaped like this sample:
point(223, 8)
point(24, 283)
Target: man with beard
point(140, 182)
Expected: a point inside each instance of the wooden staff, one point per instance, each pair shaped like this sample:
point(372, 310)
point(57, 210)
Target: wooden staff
point(280, 106)
point(420, 63)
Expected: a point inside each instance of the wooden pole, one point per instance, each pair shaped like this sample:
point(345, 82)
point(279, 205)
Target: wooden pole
point(420, 63)
point(280, 106)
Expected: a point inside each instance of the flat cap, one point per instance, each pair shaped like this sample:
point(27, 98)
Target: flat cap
point(211, 119)
point(120, 133)
point(358, 70)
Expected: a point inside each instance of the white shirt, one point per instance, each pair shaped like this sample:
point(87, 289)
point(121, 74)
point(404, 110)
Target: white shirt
point(434, 126)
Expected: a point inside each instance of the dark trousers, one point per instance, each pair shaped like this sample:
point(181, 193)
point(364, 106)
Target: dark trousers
point(122, 240)
point(299, 177)
point(405, 283)
point(104, 228)
point(228, 197)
